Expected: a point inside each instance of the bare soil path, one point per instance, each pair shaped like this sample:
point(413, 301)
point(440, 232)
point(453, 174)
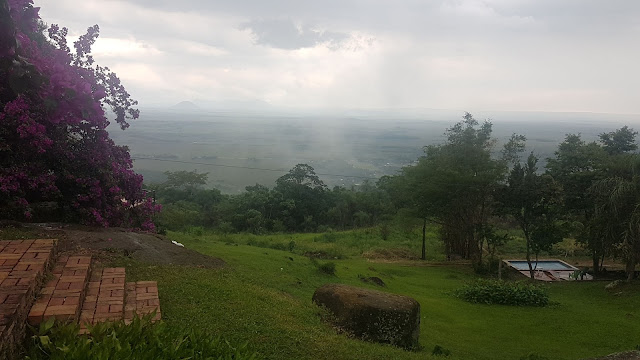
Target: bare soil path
point(145, 247)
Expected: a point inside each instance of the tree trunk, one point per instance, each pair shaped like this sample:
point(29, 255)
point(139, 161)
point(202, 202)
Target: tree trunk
point(596, 263)
point(631, 268)
point(424, 239)
point(529, 256)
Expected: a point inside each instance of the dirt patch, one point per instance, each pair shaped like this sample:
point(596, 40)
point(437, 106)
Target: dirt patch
point(145, 247)
point(317, 255)
point(390, 254)
point(373, 280)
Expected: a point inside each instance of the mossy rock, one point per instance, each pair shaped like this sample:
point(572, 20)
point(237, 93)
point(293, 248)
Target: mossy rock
point(372, 315)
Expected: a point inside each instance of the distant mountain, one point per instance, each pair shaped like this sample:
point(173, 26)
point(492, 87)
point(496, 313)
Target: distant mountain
point(234, 105)
point(185, 105)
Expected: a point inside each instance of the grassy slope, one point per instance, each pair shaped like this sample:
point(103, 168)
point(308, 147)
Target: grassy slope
point(265, 298)
point(339, 244)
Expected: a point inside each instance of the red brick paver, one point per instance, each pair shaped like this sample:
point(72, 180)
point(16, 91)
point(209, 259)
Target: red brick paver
point(62, 295)
point(142, 299)
point(105, 297)
point(22, 267)
point(72, 293)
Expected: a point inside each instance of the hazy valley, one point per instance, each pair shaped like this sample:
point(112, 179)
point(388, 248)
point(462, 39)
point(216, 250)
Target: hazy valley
point(245, 148)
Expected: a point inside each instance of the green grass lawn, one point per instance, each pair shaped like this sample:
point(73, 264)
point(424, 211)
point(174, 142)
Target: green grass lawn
point(337, 244)
point(264, 297)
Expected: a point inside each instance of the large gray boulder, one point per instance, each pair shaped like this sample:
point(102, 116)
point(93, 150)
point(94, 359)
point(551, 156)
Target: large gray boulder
point(372, 315)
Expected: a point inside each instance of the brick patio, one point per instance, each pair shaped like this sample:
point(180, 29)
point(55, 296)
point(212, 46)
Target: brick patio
point(23, 264)
point(73, 291)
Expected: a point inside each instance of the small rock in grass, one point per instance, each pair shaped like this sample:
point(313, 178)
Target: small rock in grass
point(613, 285)
point(372, 279)
point(629, 355)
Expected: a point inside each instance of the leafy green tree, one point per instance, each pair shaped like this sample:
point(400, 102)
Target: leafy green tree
point(620, 141)
point(453, 185)
point(411, 192)
point(534, 201)
point(185, 179)
point(301, 175)
point(343, 205)
point(576, 166)
point(305, 195)
point(187, 187)
point(180, 215)
point(617, 199)
point(348, 206)
point(255, 221)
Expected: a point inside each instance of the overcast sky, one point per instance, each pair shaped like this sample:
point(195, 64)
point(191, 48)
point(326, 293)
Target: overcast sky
point(537, 55)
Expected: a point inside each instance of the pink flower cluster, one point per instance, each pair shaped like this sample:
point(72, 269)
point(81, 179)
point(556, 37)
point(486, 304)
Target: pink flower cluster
point(53, 140)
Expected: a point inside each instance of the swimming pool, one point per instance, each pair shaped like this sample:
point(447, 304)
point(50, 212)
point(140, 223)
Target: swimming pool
point(544, 265)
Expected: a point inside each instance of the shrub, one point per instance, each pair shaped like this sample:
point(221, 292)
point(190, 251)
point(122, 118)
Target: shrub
point(278, 226)
point(277, 246)
point(137, 341)
point(327, 268)
point(292, 245)
point(195, 230)
point(329, 237)
point(180, 215)
point(226, 227)
point(324, 229)
point(534, 356)
point(252, 241)
point(503, 293)
point(440, 351)
point(490, 266)
point(385, 231)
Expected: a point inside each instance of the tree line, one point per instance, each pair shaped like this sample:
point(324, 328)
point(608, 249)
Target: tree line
point(471, 188)
point(299, 202)
point(588, 190)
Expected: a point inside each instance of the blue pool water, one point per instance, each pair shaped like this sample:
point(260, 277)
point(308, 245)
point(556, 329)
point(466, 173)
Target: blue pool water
point(541, 265)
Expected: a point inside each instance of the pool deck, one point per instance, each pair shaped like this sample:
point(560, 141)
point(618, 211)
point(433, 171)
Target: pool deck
point(551, 275)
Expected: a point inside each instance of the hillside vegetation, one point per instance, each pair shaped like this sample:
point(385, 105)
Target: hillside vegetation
point(264, 297)
point(438, 222)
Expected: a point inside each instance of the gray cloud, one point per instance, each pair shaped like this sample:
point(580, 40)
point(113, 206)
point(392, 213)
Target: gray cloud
point(569, 55)
point(285, 34)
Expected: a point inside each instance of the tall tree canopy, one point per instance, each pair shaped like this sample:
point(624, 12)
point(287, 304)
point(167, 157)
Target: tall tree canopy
point(306, 197)
point(617, 208)
point(578, 166)
point(53, 140)
point(453, 184)
point(620, 141)
point(534, 201)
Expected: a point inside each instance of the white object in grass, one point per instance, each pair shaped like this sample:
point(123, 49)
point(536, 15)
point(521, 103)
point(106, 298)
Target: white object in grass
point(176, 243)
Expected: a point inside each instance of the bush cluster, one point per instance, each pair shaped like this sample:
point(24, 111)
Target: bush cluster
point(328, 268)
point(139, 340)
point(503, 293)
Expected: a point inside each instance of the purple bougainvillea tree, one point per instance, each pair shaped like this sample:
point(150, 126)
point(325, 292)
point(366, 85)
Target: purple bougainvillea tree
point(54, 146)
